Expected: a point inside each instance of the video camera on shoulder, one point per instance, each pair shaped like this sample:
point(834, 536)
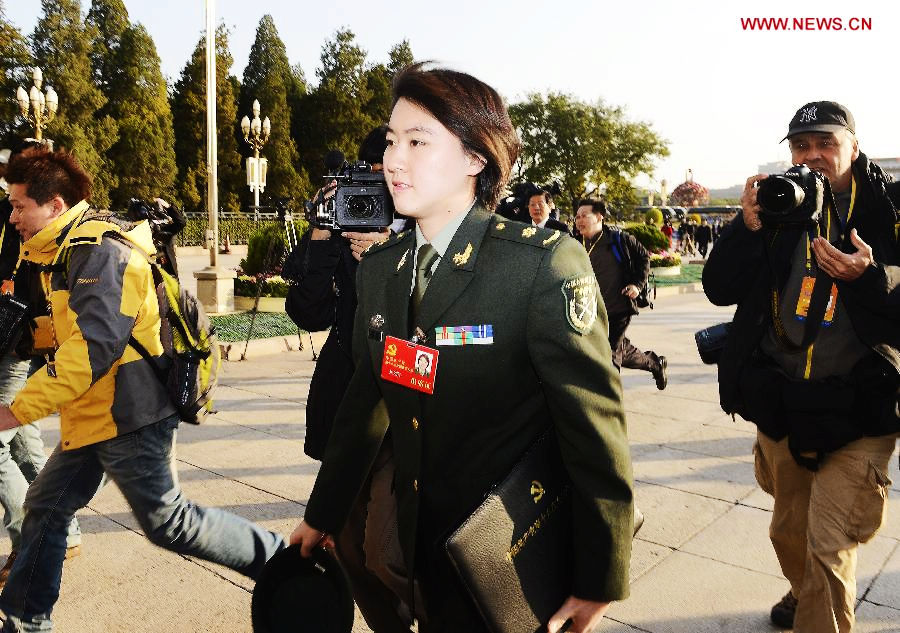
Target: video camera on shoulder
point(360, 201)
point(794, 198)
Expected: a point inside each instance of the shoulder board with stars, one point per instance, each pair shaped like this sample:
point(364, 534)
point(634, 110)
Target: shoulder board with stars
point(524, 233)
point(393, 240)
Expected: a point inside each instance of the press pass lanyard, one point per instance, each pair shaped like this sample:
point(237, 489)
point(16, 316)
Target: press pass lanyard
point(822, 295)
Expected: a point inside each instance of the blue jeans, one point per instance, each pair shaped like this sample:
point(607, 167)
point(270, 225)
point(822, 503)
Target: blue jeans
point(21, 457)
point(142, 465)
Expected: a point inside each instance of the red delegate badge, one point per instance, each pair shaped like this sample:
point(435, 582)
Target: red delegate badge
point(408, 364)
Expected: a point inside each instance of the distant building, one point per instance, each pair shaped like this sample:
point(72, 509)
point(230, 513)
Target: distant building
point(890, 165)
point(778, 167)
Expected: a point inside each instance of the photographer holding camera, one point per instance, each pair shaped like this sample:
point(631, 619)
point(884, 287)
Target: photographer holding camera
point(813, 355)
point(325, 297)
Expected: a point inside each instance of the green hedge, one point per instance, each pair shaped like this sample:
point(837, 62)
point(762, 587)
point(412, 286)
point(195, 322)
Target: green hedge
point(275, 286)
point(238, 229)
point(650, 237)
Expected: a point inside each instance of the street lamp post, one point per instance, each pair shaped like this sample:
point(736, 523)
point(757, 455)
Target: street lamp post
point(256, 133)
point(215, 285)
point(36, 107)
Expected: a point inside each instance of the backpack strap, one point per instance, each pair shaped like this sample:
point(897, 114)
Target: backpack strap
point(617, 246)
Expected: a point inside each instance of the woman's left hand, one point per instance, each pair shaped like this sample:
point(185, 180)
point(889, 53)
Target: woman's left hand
point(584, 614)
point(631, 291)
point(308, 537)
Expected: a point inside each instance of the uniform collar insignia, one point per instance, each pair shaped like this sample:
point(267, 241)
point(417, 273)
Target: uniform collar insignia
point(403, 259)
point(460, 259)
point(552, 238)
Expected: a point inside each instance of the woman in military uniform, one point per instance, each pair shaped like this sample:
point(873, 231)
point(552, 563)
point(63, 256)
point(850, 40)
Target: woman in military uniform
point(518, 330)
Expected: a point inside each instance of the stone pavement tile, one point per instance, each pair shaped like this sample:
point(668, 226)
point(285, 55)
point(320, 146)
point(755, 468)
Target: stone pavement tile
point(123, 584)
point(645, 556)
point(885, 590)
point(894, 471)
point(702, 388)
point(281, 418)
point(740, 537)
point(878, 561)
point(690, 594)
point(662, 405)
point(258, 459)
point(872, 618)
point(759, 499)
point(891, 527)
point(714, 477)
point(609, 625)
point(718, 441)
point(672, 517)
point(649, 429)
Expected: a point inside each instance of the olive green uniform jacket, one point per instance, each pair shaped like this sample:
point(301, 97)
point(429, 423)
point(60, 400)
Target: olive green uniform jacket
point(549, 364)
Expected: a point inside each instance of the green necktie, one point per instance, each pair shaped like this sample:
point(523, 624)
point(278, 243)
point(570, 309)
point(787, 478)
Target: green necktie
point(424, 261)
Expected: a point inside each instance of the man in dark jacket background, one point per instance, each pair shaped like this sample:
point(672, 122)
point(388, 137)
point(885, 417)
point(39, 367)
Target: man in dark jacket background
point(817, 372)
point(325, 297)
point(621, 265)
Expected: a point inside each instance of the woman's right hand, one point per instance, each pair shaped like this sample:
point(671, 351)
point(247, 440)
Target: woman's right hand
point(308, 538)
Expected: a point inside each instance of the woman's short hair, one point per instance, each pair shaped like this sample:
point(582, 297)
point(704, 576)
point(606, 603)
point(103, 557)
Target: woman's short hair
point(474, 113)
point(48, 174)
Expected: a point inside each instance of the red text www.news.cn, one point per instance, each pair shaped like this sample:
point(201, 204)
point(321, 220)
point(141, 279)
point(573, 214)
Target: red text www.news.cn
point(806, 24)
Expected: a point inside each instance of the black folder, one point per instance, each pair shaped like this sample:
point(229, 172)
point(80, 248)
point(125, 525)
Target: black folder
point(514, 553)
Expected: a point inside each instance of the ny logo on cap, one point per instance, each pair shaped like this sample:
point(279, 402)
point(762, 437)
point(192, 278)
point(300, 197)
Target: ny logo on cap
point(808, 114)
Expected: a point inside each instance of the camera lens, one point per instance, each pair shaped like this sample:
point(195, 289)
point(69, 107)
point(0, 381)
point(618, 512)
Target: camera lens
point(777, 194)
point(361, 207)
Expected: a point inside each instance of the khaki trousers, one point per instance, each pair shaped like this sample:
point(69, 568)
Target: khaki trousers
point(819, 520)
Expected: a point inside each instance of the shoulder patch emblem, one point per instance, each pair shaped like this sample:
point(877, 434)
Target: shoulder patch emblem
point(501, 226)
point(529, 232)
point(460, 259)
point(552, 238)
point(581, 302)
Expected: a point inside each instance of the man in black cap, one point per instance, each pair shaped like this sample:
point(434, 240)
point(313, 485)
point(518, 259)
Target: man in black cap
point(813, 359)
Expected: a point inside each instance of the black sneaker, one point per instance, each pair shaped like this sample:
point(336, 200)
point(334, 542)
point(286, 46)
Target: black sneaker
point(783, 613)
point(660, 374)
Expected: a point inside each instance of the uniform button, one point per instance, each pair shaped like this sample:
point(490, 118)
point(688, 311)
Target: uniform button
point(416, 485)
point(415, 424)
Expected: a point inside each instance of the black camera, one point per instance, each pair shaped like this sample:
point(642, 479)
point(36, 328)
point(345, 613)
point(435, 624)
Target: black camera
point(793, 199)
point(359, 201)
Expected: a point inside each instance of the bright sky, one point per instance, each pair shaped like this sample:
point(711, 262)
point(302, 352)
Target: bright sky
point(720, 95)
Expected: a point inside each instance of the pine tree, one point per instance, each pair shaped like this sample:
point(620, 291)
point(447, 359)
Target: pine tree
point(62, 44)
point(126, 67)
point(189, 121)
point(333, 116)
point(109, 19)
point(269, 79)
point(144, 155)
point(15, 64)
point(379, 79)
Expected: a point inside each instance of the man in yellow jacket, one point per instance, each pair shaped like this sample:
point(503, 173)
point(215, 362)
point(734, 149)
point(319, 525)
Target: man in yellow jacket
point(115, 416)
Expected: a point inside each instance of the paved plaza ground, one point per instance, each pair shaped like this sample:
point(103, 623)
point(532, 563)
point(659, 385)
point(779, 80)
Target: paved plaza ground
point(702, 562)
